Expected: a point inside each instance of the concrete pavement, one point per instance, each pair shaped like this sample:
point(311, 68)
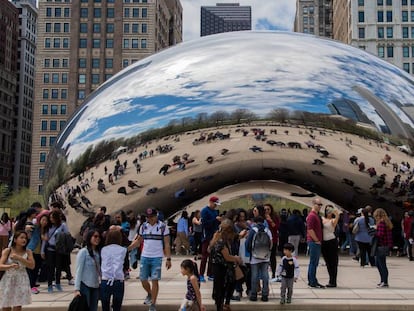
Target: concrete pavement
point(356, 290)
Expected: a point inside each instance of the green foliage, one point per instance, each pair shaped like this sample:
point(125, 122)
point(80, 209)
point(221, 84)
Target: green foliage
point(20, 201)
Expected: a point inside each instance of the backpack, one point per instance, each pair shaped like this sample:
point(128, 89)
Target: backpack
point(64, 243)
point(261, 243)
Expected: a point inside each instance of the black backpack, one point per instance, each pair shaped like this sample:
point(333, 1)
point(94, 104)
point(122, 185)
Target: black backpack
point(64, 243)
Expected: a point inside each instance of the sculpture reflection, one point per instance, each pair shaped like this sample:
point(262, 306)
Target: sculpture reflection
point(217, 93)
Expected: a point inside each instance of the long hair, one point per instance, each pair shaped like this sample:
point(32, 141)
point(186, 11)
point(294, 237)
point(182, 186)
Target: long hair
point(113, 236)
point(16, 235)
point(57, 217)
point(89, 236)
point(5, 218)
point(381, 215)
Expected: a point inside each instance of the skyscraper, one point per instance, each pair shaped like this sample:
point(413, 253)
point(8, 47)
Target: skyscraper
point(314, 17)
point(225, 17)
point(9, 31)
point(23, 114)
point(83, 43)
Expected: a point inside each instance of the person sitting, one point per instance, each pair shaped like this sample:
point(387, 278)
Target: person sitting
point(133, 184)
point(371, 171)
point(256, 149)
point(361, 166)
point(101, 186)
point(164, 169)
point(122, 190)
point(354, 160)
point(210, 159)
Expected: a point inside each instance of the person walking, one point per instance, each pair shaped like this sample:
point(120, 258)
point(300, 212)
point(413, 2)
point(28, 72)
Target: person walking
point(15, 284)
point(314, 239)
point(88, 270)
point(330, 243)
point(384, 244)
point(181, 241)
point(192, 300)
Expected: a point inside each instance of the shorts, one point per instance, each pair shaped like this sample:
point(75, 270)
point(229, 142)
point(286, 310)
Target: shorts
point(150, 268)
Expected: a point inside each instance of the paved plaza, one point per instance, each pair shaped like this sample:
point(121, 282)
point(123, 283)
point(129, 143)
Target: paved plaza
point(356, 290)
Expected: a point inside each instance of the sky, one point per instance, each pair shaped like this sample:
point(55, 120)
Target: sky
point(266, 14)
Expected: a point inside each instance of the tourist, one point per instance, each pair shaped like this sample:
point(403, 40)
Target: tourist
point(329, 246)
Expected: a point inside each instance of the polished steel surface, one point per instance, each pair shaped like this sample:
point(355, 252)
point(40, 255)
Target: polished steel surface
point(254, 73)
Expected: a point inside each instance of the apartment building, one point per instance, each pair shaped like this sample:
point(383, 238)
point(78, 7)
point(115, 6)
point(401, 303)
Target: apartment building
point(314, 17)
point(83, 43)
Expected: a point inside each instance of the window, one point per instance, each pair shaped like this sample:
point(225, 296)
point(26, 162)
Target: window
point(49, 12)
point(110, 28)
point(42, 157)
point(404, 2)
point(82, 79)
point(380, 32)
point(56, 27)
point(96, 28)
point(381, 52)
point(109, 63)
point(84, 12)
point(126, 12)
point(110, 12)
point(53, 109)
point(45, 78)
point(134, 28)
point(53, 125)
point(64, 77)
point(45, 109)
point(134, 43)
point(361, 17)
point(81, 94)
point(380, 2)
point(82, 62)
point(42, 172)
point(65, 63)
point(48, 27)
point(144, 12)
point(63, 109)
point(108, 76)
point(389, 32)
point(56, 43)
point(83, 28)
point(124, 63)
point(62, 124)
point(412, 16)
point(404, 16)
point(45, 93)
point(96, 43)
point(56, 63)
point(389, 2)
point(390, 51)
point(360, 2)
point(58, 12)
point(144, 28)
point(47, 63)
point(47, 42)
point(109, 43)
point(412, 32)
point(95, 78)
point(65, 43)
point(55, 93)
point(144, 42)
point(95, 63)
point(52, 140)
point(43, 141)
point(97, 13)
point(66, 27)
point(63, 93)
point(83, 43)
point(66, 12)
point(126, 44)
point(135, 12)
point(406, 67)
point(126, 28)
point(406, 51)
point(405, 32)
point(43, 125)
point(55, 78)
point(389, 16)
point(380, 16)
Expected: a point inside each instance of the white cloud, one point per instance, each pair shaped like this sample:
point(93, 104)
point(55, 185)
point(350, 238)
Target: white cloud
point(279, 13)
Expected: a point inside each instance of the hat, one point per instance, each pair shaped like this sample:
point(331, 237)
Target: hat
point(215, 200)
point(151, 212)
point(359, 211)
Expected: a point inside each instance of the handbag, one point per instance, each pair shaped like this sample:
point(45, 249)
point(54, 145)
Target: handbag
point(2, 272)
point(238, 273)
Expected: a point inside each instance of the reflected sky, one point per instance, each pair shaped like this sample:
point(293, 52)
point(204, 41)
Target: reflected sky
point(259, 71)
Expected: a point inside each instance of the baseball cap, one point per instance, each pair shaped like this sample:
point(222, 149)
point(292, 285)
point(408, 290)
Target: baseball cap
point(359, 211)
point(151, 212)
point(215, 200)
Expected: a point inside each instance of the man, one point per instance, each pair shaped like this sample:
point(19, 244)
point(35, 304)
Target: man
point(210, 221)
point(314, 239)
point(155, 236)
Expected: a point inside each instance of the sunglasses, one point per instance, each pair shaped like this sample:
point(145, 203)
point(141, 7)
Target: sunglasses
point(96, 236)
point(320, 204)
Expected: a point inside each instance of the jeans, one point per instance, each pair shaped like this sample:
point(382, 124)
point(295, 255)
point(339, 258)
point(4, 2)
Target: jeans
point(295, 240)
point(381, 262)
point(116, 290)
point(92, 296)
point(314, 254)
point(259, 271)
point(364, 253)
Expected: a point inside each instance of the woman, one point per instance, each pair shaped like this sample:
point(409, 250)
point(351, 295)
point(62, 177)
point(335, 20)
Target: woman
point(55, 261)
point(181, 241)
point(15, 284)
point(5, 229)
point(88, 270)
point(362, 237)
point(223, 265)
point(35, 245)
point(273, 224)
point(198, 233)
point(329, 246)
point(112, 284)
point(384, 244)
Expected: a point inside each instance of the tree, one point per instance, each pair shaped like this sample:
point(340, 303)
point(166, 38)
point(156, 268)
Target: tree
point(279, 115)
point(21, 200)
point(219, 116)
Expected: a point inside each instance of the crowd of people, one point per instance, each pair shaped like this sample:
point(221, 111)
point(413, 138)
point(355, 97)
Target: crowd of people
point(240, 251)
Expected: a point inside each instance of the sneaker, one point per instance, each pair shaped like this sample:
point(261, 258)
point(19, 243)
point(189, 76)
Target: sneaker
point(50, 289)
point(316, 285)
point(210, 278)
point(265, 298)
point(58, 287)
point(202, 279)
point(235, 297)
point(382, 284)
point(253, 298)
point(71, 282)
point(148, 300)
point(282, 301)
point(152, 307)
point(289, 300)
point(35, 290)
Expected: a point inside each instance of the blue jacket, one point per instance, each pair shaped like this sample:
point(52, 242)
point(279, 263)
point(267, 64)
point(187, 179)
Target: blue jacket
point(87, 269)
point(35, 239)
point(209, 222)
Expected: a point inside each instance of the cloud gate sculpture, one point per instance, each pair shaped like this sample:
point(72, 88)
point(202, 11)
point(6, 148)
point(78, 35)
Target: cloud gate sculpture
point(235, 109)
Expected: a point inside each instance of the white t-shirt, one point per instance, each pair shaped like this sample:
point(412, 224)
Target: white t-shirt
point(328, 230)
point(112, 266)
point(153, 239)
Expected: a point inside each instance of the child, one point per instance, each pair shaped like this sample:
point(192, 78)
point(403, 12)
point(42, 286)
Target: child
point(288, 269)
point(192, 300)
